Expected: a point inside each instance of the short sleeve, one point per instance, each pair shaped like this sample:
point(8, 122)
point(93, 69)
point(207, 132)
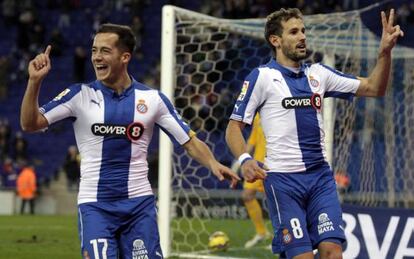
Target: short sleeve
point(340, 85)
point(62, 106)
point(171, 122)
point(250, 98)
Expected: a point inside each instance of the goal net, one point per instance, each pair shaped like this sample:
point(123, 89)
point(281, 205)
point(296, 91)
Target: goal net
point(205, 61)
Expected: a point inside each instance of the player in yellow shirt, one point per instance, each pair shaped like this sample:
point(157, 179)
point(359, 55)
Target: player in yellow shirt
point(257, 144)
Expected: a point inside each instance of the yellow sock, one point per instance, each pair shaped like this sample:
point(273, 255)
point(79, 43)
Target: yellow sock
point(255, 213)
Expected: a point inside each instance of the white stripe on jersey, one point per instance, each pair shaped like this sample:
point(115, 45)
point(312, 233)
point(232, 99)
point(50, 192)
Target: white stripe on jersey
point(113, 133)
point(290, 106)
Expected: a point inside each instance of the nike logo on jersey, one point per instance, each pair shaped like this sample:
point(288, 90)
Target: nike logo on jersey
point(132, 131)
point(314, 101)
point(158, 254)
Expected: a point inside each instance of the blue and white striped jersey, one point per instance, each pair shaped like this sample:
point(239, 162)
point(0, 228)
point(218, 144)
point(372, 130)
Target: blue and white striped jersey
point(290, 107)
point(113, 133)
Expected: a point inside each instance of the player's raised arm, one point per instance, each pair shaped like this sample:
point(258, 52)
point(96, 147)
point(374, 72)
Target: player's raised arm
point(250, 168)
point(30, 117)
point(202, 153)
point(376, 83)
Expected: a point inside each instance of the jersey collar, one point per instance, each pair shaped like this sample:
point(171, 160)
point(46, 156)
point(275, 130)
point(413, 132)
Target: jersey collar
point(110, 92)
point(273, 64)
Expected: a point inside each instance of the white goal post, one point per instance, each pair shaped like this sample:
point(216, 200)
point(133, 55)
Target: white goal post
point(165, 145)
point(201, 54)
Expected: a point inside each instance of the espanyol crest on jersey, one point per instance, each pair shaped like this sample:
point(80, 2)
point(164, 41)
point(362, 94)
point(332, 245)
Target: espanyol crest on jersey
point(313, 81)
point(141, 106)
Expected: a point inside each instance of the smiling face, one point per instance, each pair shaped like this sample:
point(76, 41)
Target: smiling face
point(291, 45)
point(109, 61)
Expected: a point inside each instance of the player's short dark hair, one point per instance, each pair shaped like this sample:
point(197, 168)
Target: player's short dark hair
point(126, 41)
point(274, 22)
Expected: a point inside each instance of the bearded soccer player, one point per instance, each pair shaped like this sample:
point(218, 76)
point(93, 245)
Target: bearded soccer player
point(113, 119)
point(299, 183)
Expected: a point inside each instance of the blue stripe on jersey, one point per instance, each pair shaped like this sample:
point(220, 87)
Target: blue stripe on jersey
point(116, 151)
point(95, 85)
point(240, 106)
point(338, 73)
point(73, 90)
point(140, 86)
point(307, 123)
point(342, 95)
point(173, 112)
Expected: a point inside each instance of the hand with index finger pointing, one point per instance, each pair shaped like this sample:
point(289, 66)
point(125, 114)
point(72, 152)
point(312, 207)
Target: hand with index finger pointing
point(47, 50)
point(40, 66)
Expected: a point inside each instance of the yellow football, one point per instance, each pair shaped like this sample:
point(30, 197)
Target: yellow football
point(218, 242)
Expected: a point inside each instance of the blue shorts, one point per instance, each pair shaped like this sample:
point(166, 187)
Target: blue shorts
point(119, 229)
point(304, 210)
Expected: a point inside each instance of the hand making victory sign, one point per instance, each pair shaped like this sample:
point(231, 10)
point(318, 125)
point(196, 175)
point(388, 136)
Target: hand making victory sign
point(390, 33)
point(376, 83)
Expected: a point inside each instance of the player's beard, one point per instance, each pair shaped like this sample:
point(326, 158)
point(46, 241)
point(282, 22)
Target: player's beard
point(294, 55)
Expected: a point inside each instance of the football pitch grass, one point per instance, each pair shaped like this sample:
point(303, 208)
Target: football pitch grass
point(39, 237)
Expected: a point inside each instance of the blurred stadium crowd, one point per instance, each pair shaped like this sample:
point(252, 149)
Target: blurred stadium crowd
point(28, 26)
